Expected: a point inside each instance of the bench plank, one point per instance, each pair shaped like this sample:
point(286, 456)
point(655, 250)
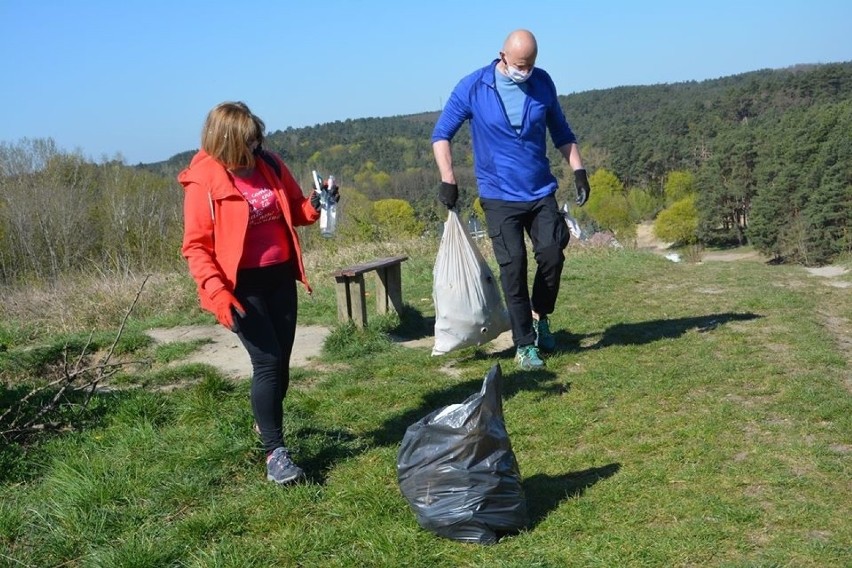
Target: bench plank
point(368, 266)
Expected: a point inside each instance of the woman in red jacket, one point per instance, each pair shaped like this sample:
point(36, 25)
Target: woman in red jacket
point(240, 215)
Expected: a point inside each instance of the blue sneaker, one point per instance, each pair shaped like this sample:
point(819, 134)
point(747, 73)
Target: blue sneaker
point(544, 340)
point(281, 469)
point(527, 358)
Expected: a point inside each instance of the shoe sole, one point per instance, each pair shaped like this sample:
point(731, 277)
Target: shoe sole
point(291, 479)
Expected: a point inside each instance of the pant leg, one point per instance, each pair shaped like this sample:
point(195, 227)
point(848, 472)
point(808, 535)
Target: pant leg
point(283, 303)
point(507, 221)
point(549, 236)
point(267, 332)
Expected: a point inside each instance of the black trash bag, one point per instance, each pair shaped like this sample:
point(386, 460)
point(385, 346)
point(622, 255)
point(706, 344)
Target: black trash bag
point(458, 472)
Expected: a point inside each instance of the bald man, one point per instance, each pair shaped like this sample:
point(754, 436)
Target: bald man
point(511, 106)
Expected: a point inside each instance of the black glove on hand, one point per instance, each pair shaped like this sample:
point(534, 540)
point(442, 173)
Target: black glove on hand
point(448, 194)
point(334, 194)
point(581, 182)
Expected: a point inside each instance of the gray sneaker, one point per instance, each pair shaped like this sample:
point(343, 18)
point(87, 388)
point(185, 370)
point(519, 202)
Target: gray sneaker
point(544, 340)
point(281, 469)
point(527, 358)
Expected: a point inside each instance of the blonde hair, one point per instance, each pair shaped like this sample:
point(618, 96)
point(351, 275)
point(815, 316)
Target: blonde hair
point(229, 133)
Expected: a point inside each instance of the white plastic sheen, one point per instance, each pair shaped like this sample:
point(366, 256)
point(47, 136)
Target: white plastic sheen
point(328, 215)
point(469, 307)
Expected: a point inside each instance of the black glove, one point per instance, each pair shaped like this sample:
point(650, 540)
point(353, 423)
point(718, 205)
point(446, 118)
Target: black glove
point(581, 183)
point(334, 193)
point(448, 194)
point(333, 196)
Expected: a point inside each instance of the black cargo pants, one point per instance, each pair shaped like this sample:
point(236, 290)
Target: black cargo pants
point(507, 222)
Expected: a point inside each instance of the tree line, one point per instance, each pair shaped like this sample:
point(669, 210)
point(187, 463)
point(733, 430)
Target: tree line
point(760, 158)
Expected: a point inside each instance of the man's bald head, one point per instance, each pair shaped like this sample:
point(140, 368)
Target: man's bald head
point(521, 44)
point(519, 50)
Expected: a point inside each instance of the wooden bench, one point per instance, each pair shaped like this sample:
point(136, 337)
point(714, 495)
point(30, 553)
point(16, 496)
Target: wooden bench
point(351, 294)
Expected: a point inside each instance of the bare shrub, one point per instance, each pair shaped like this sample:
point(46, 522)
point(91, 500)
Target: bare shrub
point(58, 402)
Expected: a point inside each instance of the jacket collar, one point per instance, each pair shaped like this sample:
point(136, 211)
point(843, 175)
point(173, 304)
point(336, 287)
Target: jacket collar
point(207, 172)
point(487, 76)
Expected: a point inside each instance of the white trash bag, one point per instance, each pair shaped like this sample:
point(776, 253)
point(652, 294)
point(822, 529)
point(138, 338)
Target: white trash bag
point(573, 225)
point(469, 307)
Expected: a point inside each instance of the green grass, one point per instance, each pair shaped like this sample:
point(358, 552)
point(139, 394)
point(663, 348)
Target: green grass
point(695, 415)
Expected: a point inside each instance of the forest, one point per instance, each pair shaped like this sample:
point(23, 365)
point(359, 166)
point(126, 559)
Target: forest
point(761, 158)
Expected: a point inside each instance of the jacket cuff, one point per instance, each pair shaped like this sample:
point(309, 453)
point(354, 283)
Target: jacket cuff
point(213, 285)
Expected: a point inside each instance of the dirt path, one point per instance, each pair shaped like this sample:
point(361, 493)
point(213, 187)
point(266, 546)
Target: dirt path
point(224, 351)
point(645, 240)
point(831, 273)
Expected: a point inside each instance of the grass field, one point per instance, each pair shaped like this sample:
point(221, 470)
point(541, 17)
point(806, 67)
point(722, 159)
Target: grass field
point(694, 415)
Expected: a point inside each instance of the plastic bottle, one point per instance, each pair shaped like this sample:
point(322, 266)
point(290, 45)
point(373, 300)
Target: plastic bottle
point(329, 210)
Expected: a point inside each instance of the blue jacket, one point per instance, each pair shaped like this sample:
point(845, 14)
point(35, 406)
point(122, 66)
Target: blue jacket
point(509, 165)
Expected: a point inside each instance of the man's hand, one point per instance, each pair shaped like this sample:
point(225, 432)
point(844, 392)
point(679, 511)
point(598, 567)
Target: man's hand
point(581, 183)
point(448, 194)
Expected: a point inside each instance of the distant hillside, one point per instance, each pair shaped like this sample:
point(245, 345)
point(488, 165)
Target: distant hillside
point(651, 130)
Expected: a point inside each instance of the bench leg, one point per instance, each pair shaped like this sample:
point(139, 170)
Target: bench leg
point(381, 291)
point(389, 289)
point(344, 306)
point(357, 300)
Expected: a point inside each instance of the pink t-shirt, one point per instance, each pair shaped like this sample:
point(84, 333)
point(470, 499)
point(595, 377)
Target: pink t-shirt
point(267, 241)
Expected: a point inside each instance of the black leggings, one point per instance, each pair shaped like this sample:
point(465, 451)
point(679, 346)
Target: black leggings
point(267, 332)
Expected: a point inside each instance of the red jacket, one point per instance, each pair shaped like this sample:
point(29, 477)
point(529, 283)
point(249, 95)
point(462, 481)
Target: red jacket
point(216, 219)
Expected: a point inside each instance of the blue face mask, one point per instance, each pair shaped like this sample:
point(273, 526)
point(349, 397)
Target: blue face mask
point(516, 75)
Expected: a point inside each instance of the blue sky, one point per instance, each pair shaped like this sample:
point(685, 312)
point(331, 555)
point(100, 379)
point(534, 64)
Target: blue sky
point(137, 78)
